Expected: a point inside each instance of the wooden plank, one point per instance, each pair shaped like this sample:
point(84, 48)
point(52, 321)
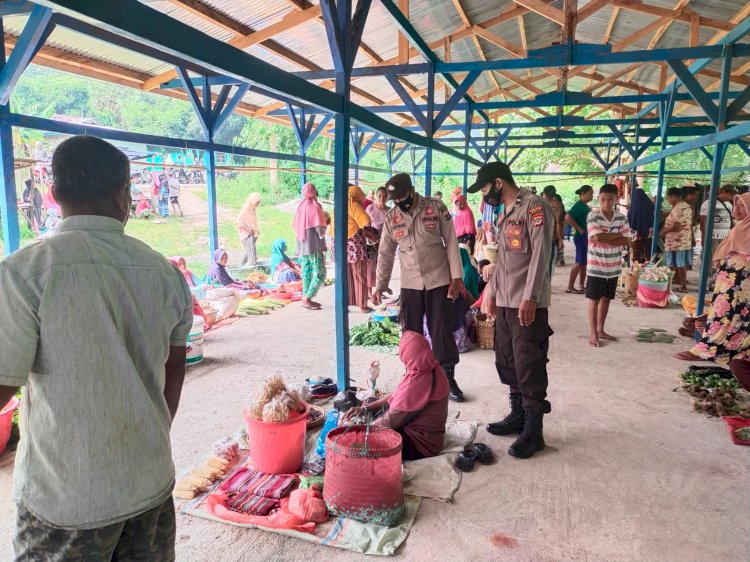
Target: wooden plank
point(684, 17)
point(404, 54)
point(591, 8)
point(212, 15)
point(461, 12)
point(290, 21)
point(514, 50)
point(544, 10)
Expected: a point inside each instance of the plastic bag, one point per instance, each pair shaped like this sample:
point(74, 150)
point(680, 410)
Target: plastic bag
point(308, 505)
point(332, 421)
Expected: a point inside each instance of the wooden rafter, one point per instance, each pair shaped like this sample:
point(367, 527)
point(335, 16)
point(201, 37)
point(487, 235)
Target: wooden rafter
point(684, 17)
point(610, 27)
point(404, 52)
point(544, 10)
point(215, 17)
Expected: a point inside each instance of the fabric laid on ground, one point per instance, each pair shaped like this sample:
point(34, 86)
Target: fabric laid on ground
point(434, 478)
point(437, 478)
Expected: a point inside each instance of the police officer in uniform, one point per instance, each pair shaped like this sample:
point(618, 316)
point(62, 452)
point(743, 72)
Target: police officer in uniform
point(517, 297)
point(431, 269)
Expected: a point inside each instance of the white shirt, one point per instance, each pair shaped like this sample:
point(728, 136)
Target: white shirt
point(87, 318)
point(722, 218)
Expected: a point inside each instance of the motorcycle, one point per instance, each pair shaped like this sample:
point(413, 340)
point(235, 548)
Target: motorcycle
point(196, 176)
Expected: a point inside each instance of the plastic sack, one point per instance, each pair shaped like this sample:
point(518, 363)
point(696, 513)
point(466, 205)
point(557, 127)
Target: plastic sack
point(652, 298)
point(224, 306)
point(332, 422)
point(308, 505)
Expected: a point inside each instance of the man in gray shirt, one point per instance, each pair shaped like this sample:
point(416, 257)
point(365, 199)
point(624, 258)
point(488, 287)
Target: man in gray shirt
point(93, 325)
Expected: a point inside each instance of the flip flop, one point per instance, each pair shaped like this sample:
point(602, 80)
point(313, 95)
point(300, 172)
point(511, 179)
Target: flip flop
point(574, 291)
point(310, 307)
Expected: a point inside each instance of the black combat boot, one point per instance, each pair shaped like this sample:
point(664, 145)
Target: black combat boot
point(531, 439)
point(513, 422)
point(455, 393)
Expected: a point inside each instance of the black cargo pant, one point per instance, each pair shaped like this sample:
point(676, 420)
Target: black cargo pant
point(521, 356)
point(148, 537)
point(435, 304)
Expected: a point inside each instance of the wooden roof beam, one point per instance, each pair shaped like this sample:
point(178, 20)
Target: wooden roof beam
point(544, 10)
point(685, 17)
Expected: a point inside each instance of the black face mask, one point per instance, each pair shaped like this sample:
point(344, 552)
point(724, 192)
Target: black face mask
point(406, 204)
point(493, 197)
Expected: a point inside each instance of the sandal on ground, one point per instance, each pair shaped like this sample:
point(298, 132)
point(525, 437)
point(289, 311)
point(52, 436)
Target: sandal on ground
point(466, 459)
point(483, 453)
point(311, 306)
point(686, 356)
point(574, 291)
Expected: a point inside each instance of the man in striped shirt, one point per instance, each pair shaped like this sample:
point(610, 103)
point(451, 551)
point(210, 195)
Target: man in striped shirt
point(608, 232)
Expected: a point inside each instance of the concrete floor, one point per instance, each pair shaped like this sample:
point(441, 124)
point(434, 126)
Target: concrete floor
point(630, 473)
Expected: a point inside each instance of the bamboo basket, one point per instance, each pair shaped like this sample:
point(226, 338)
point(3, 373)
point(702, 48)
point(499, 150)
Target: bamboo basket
point(485, 332)
point(490, 252)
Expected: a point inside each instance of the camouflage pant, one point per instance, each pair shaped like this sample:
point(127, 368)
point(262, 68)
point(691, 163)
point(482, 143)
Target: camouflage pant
point(149, 536)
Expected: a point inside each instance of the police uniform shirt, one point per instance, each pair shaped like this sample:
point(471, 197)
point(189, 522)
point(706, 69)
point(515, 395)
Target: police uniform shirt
point(428, 246)
point(524, 247)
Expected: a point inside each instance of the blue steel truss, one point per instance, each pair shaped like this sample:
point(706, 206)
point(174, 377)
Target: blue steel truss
point(204, 63)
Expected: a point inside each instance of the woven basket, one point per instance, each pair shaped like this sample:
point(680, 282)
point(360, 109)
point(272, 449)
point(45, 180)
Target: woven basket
point(490, 253)
point(630, 282)
point(363, 477)
point(485, 332)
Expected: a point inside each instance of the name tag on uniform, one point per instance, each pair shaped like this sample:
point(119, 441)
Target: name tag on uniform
point(429, 220)
point(514, 235)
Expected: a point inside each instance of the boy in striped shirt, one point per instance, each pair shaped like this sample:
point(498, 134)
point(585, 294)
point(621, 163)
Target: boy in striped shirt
point(608, 232)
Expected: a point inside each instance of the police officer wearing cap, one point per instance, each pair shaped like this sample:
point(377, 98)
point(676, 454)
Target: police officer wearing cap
point(517, 297)
point(431, 269)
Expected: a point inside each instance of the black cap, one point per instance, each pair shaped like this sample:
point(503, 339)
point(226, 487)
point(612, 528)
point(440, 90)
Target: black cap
point(489, 173)
point(549, 190)
point(398, 186)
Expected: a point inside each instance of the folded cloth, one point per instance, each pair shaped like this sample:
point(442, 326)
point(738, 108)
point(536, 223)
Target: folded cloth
point(245, 502)
point(313, 467)
point(261, 484)
point(323, 390)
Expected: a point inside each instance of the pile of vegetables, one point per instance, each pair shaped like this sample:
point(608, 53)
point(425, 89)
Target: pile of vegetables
point(255, 307)
point(258, 277)
point(655, 273)
point(715, 395)
point(385, 333)
point(653, 335)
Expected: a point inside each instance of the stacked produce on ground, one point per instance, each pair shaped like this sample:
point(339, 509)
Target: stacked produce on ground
point(653, 335)
point(385, 333)
point(255, 307)
point(715, 393)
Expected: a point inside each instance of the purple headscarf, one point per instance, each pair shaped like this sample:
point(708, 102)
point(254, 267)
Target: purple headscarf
point(217, 272)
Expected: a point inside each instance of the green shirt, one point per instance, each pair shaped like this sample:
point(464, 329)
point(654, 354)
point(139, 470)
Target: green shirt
point(580, 212)
point(87, 318)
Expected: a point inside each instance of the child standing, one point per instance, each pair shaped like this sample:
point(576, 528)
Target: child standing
point(608, 232)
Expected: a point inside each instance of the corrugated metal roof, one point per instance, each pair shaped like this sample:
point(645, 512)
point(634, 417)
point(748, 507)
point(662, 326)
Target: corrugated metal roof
point(433, 19)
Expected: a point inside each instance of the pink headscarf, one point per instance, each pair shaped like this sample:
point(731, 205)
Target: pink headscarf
point(309, 213)
point(415, 390)
point(464, 219)
point(177, 260)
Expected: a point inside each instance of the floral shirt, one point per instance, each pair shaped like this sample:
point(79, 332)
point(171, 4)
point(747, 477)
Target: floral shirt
point(681, 238)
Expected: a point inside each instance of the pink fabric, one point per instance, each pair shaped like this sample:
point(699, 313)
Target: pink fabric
point(366, 203)
point(309, 213)
point(280, 519)
point(49, 200)
point(377, 215)
point(464, 219)
point(414, 391)
point(738, 240)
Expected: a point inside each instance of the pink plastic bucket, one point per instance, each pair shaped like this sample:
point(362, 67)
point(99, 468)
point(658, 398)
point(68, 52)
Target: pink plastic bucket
point(6, 419)
point(278, 447)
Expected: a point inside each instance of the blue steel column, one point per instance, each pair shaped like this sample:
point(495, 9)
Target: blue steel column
point(719, 152)
point(8, 201)
point(467, 135)
point(429, 133)
point(665, 118)
point(213, 219)
point(303, 149)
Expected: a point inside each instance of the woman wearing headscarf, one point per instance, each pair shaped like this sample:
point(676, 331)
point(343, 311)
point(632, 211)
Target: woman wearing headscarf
point(377, 213)
point(247, 227)
point(190, 277)
point(217, 272)
point(418, 408)
point(726, 339)
point(471, 273)
point(356, 255)
point(641, 221)
point(283, 269)
point(310, 226)
point(463, 222)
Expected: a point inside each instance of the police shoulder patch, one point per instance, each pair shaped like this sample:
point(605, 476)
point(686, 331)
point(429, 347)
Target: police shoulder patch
point(537, 215)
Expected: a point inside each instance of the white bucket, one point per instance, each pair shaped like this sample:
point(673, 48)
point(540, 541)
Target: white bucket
point(195, 342)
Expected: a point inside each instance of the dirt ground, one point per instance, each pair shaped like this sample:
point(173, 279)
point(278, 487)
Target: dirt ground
point(630, 472)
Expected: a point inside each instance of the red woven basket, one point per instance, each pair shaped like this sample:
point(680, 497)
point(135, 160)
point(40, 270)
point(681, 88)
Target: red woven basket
point(363, 477)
